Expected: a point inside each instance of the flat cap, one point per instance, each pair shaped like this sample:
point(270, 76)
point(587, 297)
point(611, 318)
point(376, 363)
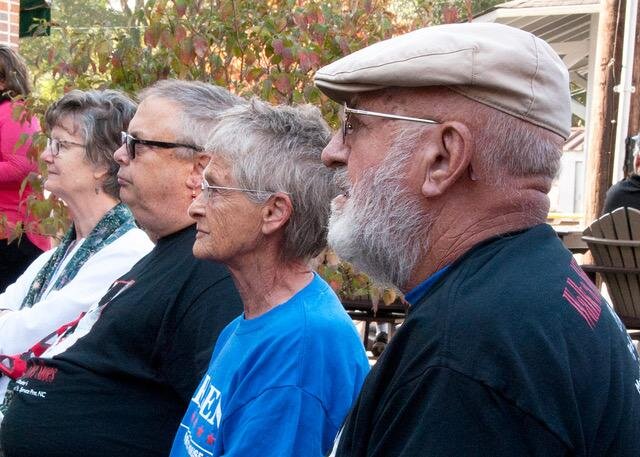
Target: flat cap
point(500, 66)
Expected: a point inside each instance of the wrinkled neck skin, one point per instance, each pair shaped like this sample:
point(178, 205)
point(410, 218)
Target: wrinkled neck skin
point(264, 281)
point(475, 212)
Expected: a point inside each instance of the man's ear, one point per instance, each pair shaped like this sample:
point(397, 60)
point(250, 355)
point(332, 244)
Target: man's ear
point(195, 176)
point(445, 156)
point(276, 213)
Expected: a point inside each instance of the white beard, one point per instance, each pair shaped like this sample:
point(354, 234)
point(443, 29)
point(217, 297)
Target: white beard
point(382, 228)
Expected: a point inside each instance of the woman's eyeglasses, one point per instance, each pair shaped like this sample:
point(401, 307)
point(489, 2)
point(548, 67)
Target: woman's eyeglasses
point(54, 144)
point(210, 190)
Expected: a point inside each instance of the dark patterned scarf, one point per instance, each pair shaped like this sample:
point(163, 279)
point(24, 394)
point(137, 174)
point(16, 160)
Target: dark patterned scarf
point(115, 223)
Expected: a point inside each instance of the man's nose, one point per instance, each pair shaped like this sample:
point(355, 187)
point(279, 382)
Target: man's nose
point(336, 153)
point(120, 155)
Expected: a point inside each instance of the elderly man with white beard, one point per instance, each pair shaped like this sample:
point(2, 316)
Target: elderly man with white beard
point(450, 140)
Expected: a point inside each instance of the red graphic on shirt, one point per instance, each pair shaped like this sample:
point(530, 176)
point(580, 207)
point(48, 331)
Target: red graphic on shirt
point(583, 295)
point(210, 439)
point(41, 373)
point(200, 431)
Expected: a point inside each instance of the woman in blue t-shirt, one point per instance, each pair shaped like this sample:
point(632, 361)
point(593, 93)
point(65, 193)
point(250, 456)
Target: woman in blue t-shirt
point(284, 374)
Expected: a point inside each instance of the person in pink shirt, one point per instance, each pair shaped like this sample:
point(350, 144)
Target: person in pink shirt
point(16, 256)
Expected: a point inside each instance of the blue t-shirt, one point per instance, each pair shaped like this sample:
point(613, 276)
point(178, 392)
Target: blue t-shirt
point(280, 384)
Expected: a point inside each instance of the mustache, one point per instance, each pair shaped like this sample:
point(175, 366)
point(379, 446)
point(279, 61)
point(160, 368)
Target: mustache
point(341, 181)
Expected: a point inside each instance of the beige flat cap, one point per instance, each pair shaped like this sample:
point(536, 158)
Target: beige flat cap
point(500, 66)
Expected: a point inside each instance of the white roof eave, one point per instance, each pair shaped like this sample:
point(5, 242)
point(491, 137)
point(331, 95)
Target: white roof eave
point(524, 11)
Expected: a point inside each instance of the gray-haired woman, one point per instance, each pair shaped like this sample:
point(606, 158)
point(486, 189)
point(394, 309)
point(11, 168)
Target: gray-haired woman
point(293, 363)
point(103, 241)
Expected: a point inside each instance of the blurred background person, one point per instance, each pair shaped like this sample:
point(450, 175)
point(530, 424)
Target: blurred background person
point(14, 168)
point(103, 242)
point(626, 192)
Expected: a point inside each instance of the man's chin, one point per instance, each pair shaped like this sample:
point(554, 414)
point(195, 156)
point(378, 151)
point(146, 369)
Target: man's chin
point(343, 239)
point(339, 235)
point(127, 197)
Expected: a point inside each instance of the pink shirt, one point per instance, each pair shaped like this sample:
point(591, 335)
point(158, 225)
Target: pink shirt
point(14, 167)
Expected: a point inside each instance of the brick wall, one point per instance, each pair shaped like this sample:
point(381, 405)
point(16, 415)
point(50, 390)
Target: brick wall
point(9, 21)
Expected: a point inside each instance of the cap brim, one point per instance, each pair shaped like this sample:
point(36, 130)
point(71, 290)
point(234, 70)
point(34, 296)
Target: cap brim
point(344, 92)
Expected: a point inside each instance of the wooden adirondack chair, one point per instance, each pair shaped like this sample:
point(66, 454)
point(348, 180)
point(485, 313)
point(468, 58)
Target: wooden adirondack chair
point(614, 242)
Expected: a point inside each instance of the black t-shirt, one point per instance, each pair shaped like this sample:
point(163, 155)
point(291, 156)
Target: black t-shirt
point(623, 193)
point(123, 388)
point(513, 352)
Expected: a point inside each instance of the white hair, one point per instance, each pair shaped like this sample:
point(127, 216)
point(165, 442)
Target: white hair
point(277, 149)
point(505, 146)
point(201, 104)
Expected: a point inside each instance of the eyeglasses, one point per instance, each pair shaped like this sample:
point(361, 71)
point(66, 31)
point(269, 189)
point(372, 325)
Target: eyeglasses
point(347, 127)
point(53, 144)
point(210, 190)
point(130, 142)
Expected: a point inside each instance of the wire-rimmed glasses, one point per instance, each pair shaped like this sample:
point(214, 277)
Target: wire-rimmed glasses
point(346, 125)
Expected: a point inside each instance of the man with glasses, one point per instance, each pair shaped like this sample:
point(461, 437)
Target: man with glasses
point(450, 140)
point(117, 380)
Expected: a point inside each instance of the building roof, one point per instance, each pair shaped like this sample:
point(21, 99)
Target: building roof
point(566, 25)
point(555, 21)
point(542, 7)
point(544, 3)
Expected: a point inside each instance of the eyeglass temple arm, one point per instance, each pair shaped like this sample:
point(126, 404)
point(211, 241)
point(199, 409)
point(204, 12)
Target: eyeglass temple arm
point(387, 116)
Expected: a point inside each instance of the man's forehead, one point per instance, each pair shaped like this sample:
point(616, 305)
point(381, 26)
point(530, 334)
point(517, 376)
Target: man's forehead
point(154, 101)
point(158, 116)
point(364, 98)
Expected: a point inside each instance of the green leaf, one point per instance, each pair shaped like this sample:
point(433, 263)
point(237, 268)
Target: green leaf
point(22, 139)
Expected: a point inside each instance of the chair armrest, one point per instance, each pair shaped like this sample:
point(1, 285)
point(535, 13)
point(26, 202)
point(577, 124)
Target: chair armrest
point(615, 270)
point(628, 243)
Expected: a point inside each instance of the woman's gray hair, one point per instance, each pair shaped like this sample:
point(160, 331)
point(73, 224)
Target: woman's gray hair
point(277, 149)
point(100, 115)
point(201, 105)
